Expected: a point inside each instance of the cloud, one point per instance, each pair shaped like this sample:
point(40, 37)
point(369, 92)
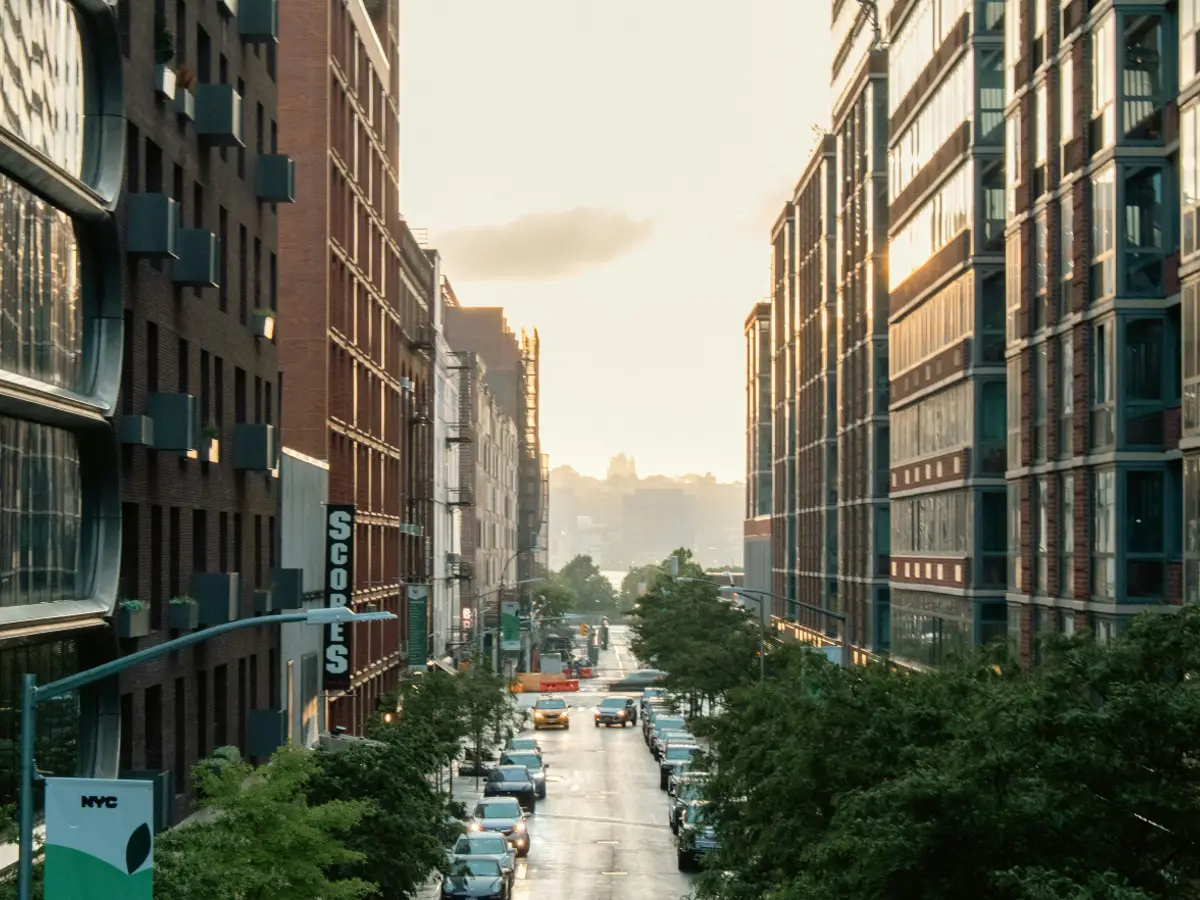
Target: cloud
point(539, 246)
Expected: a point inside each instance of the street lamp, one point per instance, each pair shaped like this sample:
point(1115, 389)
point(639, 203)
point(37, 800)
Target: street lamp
point(32, 695)
point(836, 616)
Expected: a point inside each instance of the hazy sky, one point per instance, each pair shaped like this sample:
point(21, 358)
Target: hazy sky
point(609, 173)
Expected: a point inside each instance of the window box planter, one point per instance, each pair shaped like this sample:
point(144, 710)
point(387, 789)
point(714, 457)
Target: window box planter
point(258, 22)
point(199, 261)
point(275, 178)
point(137, 431)
point(262, 324)
point(268, 731)
point(254, 447)
point(185, 104)
point(184, 614)
point(174, 417)
point(133, 619)
point(219, 115)
point(287, 588)
point(152, 226)
point(218, 594)
point(263, 603)
point(164, 82)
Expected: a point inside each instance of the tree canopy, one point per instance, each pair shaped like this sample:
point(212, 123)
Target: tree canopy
point(1075, 779)
point(593, 592)
point(555, 597)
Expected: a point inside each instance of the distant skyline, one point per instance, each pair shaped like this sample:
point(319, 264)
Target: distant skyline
point(609, 174)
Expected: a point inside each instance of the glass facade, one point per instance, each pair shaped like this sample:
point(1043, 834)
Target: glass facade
point(938, 323)
point(57, 741)
point(947, 108)
point(41, 315)
point(939, 220)
point(43, 80)
point(933, 425)
point(933, 524)
point(929, 23)
point(1189, 176)
point(41, 513)
point(928, 628)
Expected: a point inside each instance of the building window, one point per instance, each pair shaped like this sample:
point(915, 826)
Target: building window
point(1103, 388)
point(992, 423)
point(1012, 44)
point(936, 222)
point(993, 572)
point(41, 321)
point(1145, 237)
point(1104, 533)
point(932, 426)
point(1189, 29)
point(1041, 126)
point(940, 322)
point(1145, 535)
point(991, 188)
point(936, 123)
point(1143, 377)
point(1041, 258)
point(1066, 536)
point(1014, 537)
point(1189, 167)
point(1104, 210)
point(1066, 98)
point(1066, 245)
point(1041, 400)
point(1104, 80)
point(1190, 325)
point(1142, 77)
point(41, 514)
point(1014, 411)
point(991, 96)
point(1041, 522)
point(1012, 158)
point(1013, 283)
point(1066, 395)
point(1191, 529)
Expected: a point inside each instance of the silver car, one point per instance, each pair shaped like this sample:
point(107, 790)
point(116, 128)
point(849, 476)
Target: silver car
point(488, 843)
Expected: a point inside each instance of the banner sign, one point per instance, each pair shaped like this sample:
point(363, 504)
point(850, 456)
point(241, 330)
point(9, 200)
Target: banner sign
point(339, 589)
point(418, 626)
point(510, 625)
point(99, 839)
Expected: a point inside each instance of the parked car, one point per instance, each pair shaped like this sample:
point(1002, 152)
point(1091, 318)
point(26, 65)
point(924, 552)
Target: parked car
point(504, 816)
point(675, 754)
point(690, 788)
point(662, 725)
point(523, 744)
point(697, 838)
point(475, 876)
point(551, 711)
point(651, 693)
point(487, 843)
point(636, 681)
point(533, 765)
point(657, 708)
point(616, 711)
point(512, 781)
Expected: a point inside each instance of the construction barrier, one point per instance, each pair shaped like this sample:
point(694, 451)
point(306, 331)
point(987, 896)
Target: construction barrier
point(560, 686)
point(586, 672)
point(516, 688)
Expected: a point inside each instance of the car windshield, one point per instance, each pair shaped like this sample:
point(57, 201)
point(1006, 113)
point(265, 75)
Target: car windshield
point(690, 792)
point(668, 723)
point(528, 760)
point(510, 773)
point(613, 703)
point(650, 693)
point(499, 809)
point(674, 753)
point(480, 868)
point(523, 744)
point(696, 814)
point(552, 703)
point(481, 845)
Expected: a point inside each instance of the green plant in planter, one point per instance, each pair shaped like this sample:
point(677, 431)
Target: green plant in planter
point(132, 606)
point(164, 45)
point(210, 431)
point(182, 600)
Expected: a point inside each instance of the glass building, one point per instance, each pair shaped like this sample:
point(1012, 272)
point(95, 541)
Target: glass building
point(759, 448)
point(61, 161)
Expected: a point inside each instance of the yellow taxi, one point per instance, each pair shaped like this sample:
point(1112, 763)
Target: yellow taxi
point(551, 712)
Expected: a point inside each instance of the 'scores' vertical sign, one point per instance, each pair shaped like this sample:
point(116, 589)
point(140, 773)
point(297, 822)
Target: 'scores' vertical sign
point(339, 588)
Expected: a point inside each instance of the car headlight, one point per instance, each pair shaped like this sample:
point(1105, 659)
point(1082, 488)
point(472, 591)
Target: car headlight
point(519, 827)
point(475, 826)
point(621, 714)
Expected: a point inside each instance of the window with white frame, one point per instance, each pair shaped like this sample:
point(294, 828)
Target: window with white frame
point(1104, 211)
point(1189, 176)
point(1189, 40)
point(1066, 98)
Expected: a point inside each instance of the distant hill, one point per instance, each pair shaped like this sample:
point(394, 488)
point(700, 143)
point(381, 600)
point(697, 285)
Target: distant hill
point(626, 520)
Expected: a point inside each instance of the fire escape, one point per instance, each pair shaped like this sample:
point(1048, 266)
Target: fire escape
point(529, 498)
point(461, 434)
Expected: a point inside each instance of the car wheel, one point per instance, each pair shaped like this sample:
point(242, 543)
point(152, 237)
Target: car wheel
point(597, 723)
point(522, 852)
point(685, 861)
point(567, 727)
point(662, 782)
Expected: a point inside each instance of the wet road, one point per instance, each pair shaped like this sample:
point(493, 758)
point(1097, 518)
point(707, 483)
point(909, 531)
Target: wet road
point(601, 833)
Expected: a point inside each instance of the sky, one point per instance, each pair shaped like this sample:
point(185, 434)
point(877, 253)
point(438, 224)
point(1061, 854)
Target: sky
point(609, 173)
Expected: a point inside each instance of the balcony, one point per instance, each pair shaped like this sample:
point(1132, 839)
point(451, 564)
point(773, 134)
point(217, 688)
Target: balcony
point(287, 588)
point(219, 115)
point(254, 447)
point(137, 431)
point(259, 21)
point(275, 179)
point(218, 596)
point(199, 261)
point(174, 420)
point(152, 223)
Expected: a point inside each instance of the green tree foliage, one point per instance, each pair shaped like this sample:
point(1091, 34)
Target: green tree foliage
point(635, 578)
point(261, 838)
point(707, 645)
point(1077, 780)
point(555, 597)
point(593, 592)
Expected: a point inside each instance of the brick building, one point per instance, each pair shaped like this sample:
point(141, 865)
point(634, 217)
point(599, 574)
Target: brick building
point(200, 392)
point(357, 342)
point(62, 139)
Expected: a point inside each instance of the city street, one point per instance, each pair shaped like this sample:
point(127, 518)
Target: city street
point(601, 833)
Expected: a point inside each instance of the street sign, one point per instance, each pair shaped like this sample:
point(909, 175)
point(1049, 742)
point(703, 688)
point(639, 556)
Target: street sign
point(99, 839)
point(510, 626)
point(418, 626)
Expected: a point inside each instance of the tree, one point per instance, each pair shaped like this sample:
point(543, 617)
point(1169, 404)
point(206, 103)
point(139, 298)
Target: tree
point(593, 591)
point(555, 597)
point(1075, 779)
point(636, 580)
point(261, 839)
point(403, 834)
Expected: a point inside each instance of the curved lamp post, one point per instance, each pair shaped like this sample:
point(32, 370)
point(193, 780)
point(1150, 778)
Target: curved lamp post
point(32, 695)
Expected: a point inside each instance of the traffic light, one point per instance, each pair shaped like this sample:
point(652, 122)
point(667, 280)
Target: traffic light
point(583, 629)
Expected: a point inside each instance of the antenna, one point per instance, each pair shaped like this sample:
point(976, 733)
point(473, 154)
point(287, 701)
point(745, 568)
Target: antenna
point(871, 8)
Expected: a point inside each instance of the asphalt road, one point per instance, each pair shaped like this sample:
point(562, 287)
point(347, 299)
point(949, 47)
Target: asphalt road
point(601, 833)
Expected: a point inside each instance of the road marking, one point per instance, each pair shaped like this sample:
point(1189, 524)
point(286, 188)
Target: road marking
point(614, 873)
point(608, 842)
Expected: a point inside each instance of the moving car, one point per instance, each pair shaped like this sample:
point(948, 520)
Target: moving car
point(675, 754)
point(533, 765)
point(512, 781)
point(502, 815)
point(616, 711)
point(691, 788)
point(697, 838)
point(485, 843)
point(635, 681)
point(523, 743)
point(551, 712)
point(476, 877)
